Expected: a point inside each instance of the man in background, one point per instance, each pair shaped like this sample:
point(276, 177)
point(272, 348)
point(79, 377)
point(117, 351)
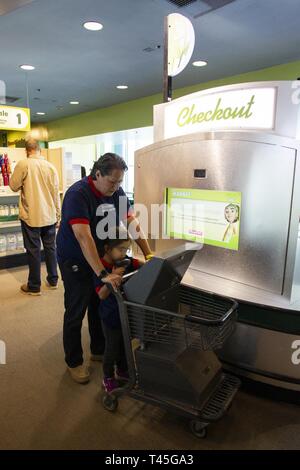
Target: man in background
point(39, 212)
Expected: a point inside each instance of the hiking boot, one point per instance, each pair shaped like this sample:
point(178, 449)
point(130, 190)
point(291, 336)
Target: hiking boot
point(79, 374)
point(26, 290)
point(51, 286)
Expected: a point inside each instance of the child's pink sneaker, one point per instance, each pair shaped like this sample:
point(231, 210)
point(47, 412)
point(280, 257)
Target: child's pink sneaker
point(110, 384)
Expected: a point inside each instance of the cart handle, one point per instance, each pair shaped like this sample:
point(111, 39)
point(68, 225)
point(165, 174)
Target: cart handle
point(118, 292)
point(128, 276)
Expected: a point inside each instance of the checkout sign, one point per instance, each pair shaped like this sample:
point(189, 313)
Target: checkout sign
point(14, 119)
point(246, 109)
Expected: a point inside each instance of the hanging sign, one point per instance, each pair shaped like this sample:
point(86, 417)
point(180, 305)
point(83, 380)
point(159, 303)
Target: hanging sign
point(14, 119)
point(181, 43)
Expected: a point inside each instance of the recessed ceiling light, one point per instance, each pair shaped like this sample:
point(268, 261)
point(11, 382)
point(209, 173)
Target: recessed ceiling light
point(74, 102)
point(93, 25)
point(41, 114)
point(199, 63)
point(27, 67)
point(122, 87)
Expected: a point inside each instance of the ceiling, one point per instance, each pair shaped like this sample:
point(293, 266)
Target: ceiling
point(75, 64)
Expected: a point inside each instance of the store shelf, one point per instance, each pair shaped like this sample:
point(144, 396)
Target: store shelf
point(15, 259)
point(12, 224)
point(11, 253)
point(5, 191)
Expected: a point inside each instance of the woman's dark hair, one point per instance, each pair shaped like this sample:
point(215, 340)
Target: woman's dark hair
point(115, 237)
point(107, 163)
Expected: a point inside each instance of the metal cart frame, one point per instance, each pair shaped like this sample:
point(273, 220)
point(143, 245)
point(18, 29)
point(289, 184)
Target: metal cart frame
point(223, 394)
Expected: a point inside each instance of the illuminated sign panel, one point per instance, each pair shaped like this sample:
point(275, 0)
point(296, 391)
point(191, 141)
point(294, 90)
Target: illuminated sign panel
point(246, 109)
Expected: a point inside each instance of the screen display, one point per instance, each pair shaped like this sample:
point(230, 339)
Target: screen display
point(203, 216)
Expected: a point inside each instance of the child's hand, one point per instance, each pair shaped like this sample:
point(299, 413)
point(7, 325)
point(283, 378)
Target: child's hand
point(119, 271)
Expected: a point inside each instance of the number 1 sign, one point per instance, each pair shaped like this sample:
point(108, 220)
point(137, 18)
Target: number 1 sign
point(14, 119)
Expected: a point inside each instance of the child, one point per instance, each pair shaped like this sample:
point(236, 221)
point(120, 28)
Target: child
point(114, 250)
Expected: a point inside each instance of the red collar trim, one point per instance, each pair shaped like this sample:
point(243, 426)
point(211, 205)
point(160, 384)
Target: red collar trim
point(93, 188)
point(106, 264)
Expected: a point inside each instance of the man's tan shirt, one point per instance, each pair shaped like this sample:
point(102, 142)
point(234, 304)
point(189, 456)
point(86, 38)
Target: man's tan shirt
point(38, 182)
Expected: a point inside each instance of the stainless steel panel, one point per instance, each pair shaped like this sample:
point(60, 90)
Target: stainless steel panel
point(259, 377)
point(292, 272)
point(295, 295)
point(263, 172)
point(236, 290)
point(263, 351)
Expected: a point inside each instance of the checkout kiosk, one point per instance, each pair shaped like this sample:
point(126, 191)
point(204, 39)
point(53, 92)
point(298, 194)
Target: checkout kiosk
point(233, 153)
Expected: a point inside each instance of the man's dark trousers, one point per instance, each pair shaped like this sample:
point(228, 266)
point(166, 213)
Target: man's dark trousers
point(80, 296)
point(32, 242)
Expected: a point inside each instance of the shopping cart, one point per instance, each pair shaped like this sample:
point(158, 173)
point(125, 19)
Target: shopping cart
point(170, 332)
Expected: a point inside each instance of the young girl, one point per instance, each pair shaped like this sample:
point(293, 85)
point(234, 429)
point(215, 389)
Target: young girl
point(115, 250)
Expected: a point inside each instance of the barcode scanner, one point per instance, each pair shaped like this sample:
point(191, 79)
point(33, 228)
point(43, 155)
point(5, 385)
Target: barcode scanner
point(122, 263)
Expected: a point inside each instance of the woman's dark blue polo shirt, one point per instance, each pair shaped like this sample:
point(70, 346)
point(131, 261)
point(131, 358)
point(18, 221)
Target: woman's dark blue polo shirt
point(83, 204)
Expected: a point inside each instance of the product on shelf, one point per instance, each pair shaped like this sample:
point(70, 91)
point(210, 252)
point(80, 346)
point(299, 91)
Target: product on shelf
point(5, 170)
point(9, 212)
point(6, 210)
point(3, 243)
point(20, 241)
point(13, 210)
point(11, 240)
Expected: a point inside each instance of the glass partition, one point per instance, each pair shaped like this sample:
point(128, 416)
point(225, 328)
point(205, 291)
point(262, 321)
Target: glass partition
point(85, 150)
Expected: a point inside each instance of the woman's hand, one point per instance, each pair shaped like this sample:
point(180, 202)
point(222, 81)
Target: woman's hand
point(114, 279)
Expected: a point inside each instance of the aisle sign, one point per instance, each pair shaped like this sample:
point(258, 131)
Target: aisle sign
point(14, 119)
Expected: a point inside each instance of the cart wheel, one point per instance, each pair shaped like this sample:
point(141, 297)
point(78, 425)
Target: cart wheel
point(198, 429)
point(110, 402)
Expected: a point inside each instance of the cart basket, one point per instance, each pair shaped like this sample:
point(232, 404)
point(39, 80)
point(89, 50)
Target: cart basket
point(203, 321)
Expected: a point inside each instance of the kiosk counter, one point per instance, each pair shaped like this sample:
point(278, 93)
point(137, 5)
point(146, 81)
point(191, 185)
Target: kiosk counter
point(233, 153)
